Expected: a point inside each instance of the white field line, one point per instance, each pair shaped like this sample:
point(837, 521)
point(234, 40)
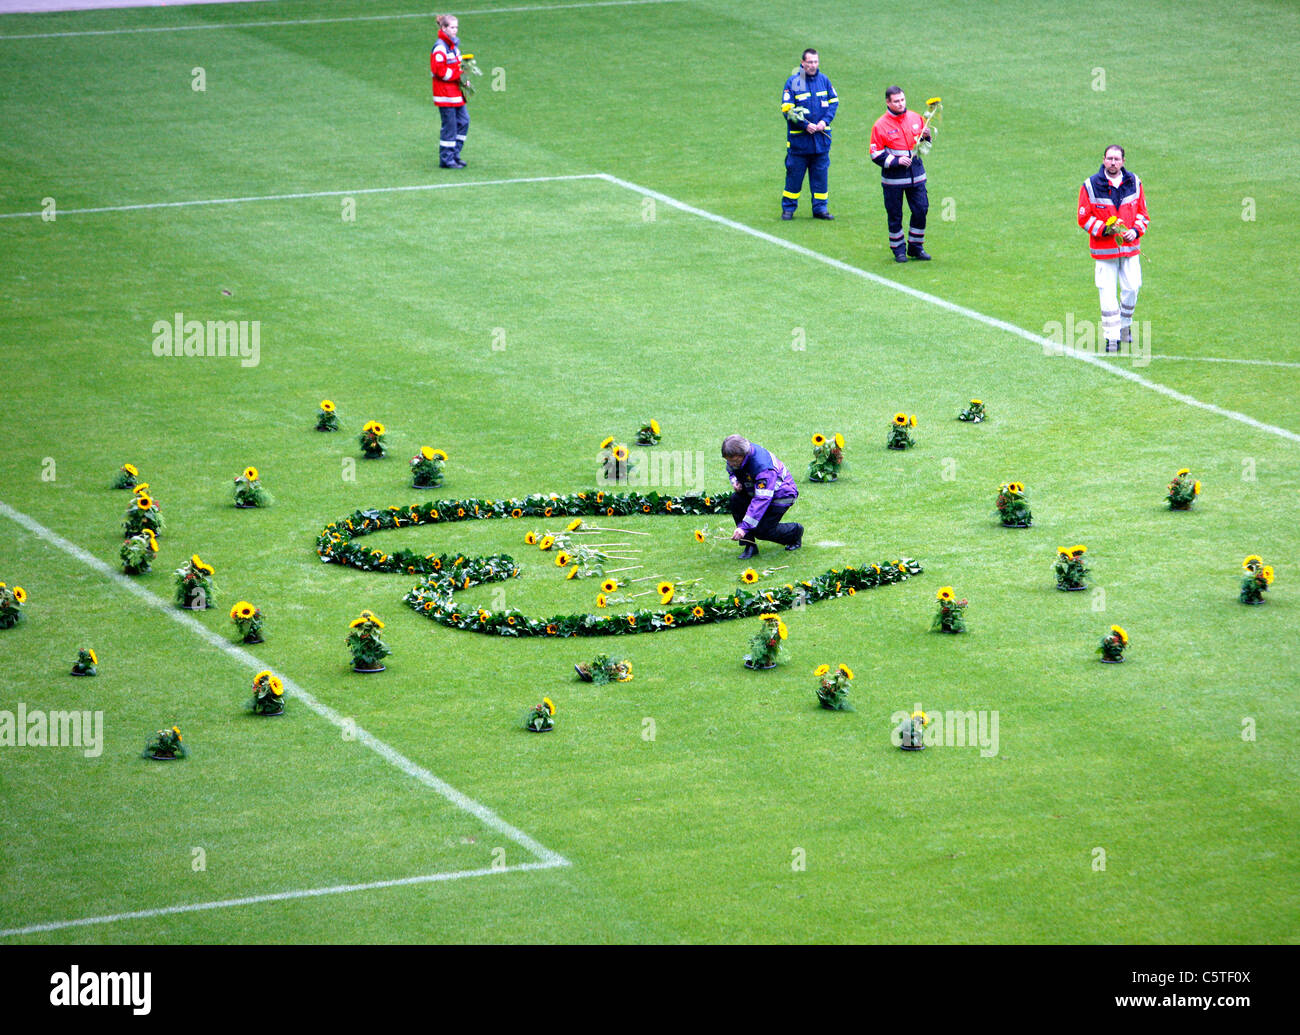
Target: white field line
point(961, 310)
point(305, 194)
point(1229, 359)
point(388, 754)
point(279, 896)
point(335, 21)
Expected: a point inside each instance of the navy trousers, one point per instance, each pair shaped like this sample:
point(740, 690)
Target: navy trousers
point(816, 166)
point(771, 527)
point(455, 124)
point(919, 204)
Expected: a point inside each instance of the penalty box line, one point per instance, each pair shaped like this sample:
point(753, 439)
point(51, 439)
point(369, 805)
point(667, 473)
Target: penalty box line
point(279, 896)
point(389, 754)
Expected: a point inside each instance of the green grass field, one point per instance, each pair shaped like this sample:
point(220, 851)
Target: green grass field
point(516, 318)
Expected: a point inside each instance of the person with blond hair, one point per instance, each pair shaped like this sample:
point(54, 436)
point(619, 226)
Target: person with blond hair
point(448, 93)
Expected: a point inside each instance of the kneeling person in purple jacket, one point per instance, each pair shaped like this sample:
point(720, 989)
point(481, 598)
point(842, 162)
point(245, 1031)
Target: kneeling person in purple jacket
point(765, 490)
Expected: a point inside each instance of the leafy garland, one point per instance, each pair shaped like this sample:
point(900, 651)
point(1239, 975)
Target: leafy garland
point(445, 573)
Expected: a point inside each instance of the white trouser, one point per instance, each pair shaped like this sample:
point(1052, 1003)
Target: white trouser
point(1118, 281)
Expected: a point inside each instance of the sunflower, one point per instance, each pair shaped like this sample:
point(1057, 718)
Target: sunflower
point(600, 497)
point(573, 573)
point(1078, 551)
point(1196, 488)
point(697, 611)
point(609, 585)
point(243, 609)
point(357, 622)
point(781, 630)
point(902, 566)
point(140, 489)
point(516, 513)
point(852, 592)
point(562, 559)
point(438, 454)
point(93, 659)
point(550, 707)
point(749, 576)
point(664, 587)
point(925, 719)
point(1252, 559)
point(277, 686)
point(933, 101)
point(645, 509)
point(549, 511)
point(20, 594)
point(911, 421)
point(819, 439)
point(848, 672)
point(768, 616)
point(1184, 471)
point(654, 425)
point(620, 452)
point(977, 402)
point(143, 503)
point(666, 598)
point(900, 419)
point(130, 469)
point(378, 429)
point(700, 536)
point(546, 542)
point(668, 619)
point(368, 426)
point(250, 474)
point(839, 440)
point(601, 600)
point(531, 538)
point(177, 731)
point(573, 525)
point(1266, 571)
point(607, 442)
point(327, 406)
point(1123, 636)
point(460, 511)
point(426, 452)
point(1063, 551)
point(428, 605)
point(821, 670)
point(945, 593)
point(483, 616)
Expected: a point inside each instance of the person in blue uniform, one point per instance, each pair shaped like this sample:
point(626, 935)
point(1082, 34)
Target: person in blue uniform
point(808, 137)
point(764, 491)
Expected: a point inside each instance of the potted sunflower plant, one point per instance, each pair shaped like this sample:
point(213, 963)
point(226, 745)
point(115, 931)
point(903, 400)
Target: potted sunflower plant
point(268, 695)
point(194, 584)
point(368, 649)
point(767, 646)
point(828, 455)
point(249, 491)
point(833, 687)
point(248, 620)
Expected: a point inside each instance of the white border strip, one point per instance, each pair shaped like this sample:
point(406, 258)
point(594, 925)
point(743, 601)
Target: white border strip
point(334, 21)
point(387, 753)
point(279, 896)
point(1229, 359)
point(990, 321)
point(306, 194)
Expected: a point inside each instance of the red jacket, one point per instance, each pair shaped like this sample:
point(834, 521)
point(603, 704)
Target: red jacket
point(444, 63)
point(1098, 201)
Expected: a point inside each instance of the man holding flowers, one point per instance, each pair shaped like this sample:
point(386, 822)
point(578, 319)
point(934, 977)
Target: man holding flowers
point(808, 103)
point(1113, 210)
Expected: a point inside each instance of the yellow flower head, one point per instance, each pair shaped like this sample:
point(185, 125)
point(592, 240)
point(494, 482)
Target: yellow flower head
point(368, 426)
point(848, 672)
point(438, 454)
point(781, 630)
point(819, 439)
point(925, 719)
point(1063, 551)
point(357, 622)
point(327, 406)
point(531, 538)
point(1184, 471)
point(550, 707)
point(573, 525)
point(609, 585)
point(787, 106)
point(664, 587)
point(945, 593)
point(143, 503)
point(130, 469)
point(1266, 571)
point(977, 402)
point(546, 542)
point(654, 425)
point(607, 442)
point(911, 421)
point(1196, 488)
point(93, 659)
point(378, 429)
point(700, 536)
point(20, 594)
point(426, 452)
point(770, 616)
point(1252, 560)
point(1123, 636)
point(900, 419)
point(620, 452)
point(1078, 551)
point(277, 686)
point(264, 674)
point(153, 540)
point(821, 670)
point(839, 440)
point(250, 474)
point(697, 611)
point(601, 600)
point(666, 597)
point(933, 101)
point(573, 573)
point(1112, 220)
point(562, 559)
point(749, 576)
point(140, 489)
point(668, 619)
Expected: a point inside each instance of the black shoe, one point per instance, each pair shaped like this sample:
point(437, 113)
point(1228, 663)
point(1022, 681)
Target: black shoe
point(822, 215)
point(798, 542)
point(749, 551)
point(900, 255)
point(1112, 346)
point(919, 253)
point(786, 215)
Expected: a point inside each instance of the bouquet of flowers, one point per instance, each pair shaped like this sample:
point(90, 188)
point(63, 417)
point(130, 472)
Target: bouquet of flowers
point(602, 669)
point(648, 434)
point(468, 67)
point(1113, 645)
point(911, 731)
point(900, 436)
point(767, 646)
point(268, 695)
point(248, 620)
point(950, 618)
point(327, 419)
point(1183, 491)
point(138, 552)
point(194, 584)
point(142, 513)
point(974, 413)
point(87, 664)
point(1114, 227)
point(828, 455)
point(1013, 506)
point(426, 468)
point(1255, 583)
point(11, 605)
point(368, 650)
point(126, 477)
point(1071, 572)
point(372, 440)
point(249, 491)
point(166, 745)
point(833, 687)
point(541, 719)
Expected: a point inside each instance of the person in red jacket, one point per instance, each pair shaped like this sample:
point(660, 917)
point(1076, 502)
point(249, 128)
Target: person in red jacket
point(448, 95)
point(1113, 210)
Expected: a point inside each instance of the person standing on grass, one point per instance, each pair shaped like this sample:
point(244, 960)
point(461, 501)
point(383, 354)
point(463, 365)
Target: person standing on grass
point(1113, 210)
point(807, 136)
point(894, 140)
point(448, 94)
point(765, 490)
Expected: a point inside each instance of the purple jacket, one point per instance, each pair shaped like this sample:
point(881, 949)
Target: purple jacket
point(765, 478)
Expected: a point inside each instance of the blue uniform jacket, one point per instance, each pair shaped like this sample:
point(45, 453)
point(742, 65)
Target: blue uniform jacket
point(819, 97)
point(765, 478)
